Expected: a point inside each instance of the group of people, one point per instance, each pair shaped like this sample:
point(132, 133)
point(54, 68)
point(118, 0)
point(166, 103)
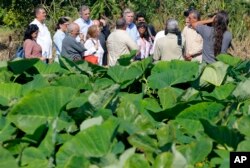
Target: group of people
point(200, 40)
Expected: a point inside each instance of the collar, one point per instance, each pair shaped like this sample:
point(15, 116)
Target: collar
point(131, 25)
point(86, 21)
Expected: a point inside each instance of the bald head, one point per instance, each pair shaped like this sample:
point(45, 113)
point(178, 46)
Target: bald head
point(73, 29)
point(96, 22)
point(121, 24)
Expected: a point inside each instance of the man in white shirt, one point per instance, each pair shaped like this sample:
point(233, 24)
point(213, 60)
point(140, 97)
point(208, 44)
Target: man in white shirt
point(84, 21)
point(128, 15)
point(194, 41)
point(43, 37)
point(119, 42)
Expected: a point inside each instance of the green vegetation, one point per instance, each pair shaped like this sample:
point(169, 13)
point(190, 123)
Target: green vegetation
point(18, 13)
point(139, 114)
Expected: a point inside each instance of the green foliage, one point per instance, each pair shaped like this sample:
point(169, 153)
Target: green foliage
point(136, 114)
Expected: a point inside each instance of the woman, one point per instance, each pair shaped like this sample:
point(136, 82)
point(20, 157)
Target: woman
point(216, 39)
point(31, 48)
point(61, 29)
point(144, 42)
point(92, 43)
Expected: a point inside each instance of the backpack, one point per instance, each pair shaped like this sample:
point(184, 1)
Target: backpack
point(20, 52)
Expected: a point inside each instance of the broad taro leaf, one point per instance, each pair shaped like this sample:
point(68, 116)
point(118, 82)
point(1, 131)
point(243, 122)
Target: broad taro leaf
point(137, 161)
point(196, 151)
point(39, 107)
point(77, 81)
point(22, 65)
point(6, 159)
point(143, 142)
point(222, 134)
point(151, 104)
point(102, 98)
point(125, 75)
point(37, 83)
point(49, 68)
point(215, 73)
point(205, 110)
point(69, 65)
point(221, 92)
point(91, 122)
point(228, 59)
point(190, 94)
point(244, 125)
point(166, 74)
point(102, 83)
point(169, 97)
point(5, 76)
point(133, 117)
point(126, 59)
point(34, 158)
point(222, 160)
point(96, 141)
point(244, 146)
point(11, 92)
point(190, 126)
point(170, 160)
point(242, 91)
point(6, 129)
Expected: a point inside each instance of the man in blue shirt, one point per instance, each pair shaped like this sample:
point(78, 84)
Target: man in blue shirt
point(84, 21)
point(128, 15)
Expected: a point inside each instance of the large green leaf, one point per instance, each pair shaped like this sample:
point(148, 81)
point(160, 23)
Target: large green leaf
point(39, 107)
point(95, 141)
point(221, 92)
point(151, 104)
point(222, 160)
point(170, 160)
point(5, 76)
point(6, 159)
point(228, 59)
point(127, 74)
point(244, 146)
point(137, 161)
point(169, 96)
point(6, 129)
point(244, 125)
point(222, 134)
point(242, 91)
point(34, 158)
point(77, 81)
point(37, 83)
point(49, 68)
point(102, 98)
point(11, 92)
point(196, 151)
point(143, 142)
point(170, 73)
point(205, 110)
point(215, 73)
point(22, 65)
point(126, 59)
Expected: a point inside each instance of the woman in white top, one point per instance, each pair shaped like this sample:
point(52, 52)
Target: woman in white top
point(61, 28)
point(92, 43)
point(144, 42)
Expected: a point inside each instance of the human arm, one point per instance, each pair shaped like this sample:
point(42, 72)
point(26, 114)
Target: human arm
point(202, 22)
point(157, 52)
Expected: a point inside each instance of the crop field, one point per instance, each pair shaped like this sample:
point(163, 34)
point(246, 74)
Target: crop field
point(133, 115)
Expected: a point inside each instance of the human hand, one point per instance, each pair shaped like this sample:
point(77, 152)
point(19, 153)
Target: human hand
point(188, 57)
point(81, 35)
point(103, 22)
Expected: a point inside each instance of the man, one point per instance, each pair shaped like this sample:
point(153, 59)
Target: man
point(140, 18)
point(119, 42)
point(70, 47)
point(103, 37)
point(128, 15)
point(43, 37)
point(194, 41)
point(172, 45)
point(84, 21)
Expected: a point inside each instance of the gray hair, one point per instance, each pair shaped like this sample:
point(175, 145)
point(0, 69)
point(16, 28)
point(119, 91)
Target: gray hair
point(196, 14)
point(172, 25)
point(71, 27)
point(126, 11)
point(83, 8)
point(120, 23)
